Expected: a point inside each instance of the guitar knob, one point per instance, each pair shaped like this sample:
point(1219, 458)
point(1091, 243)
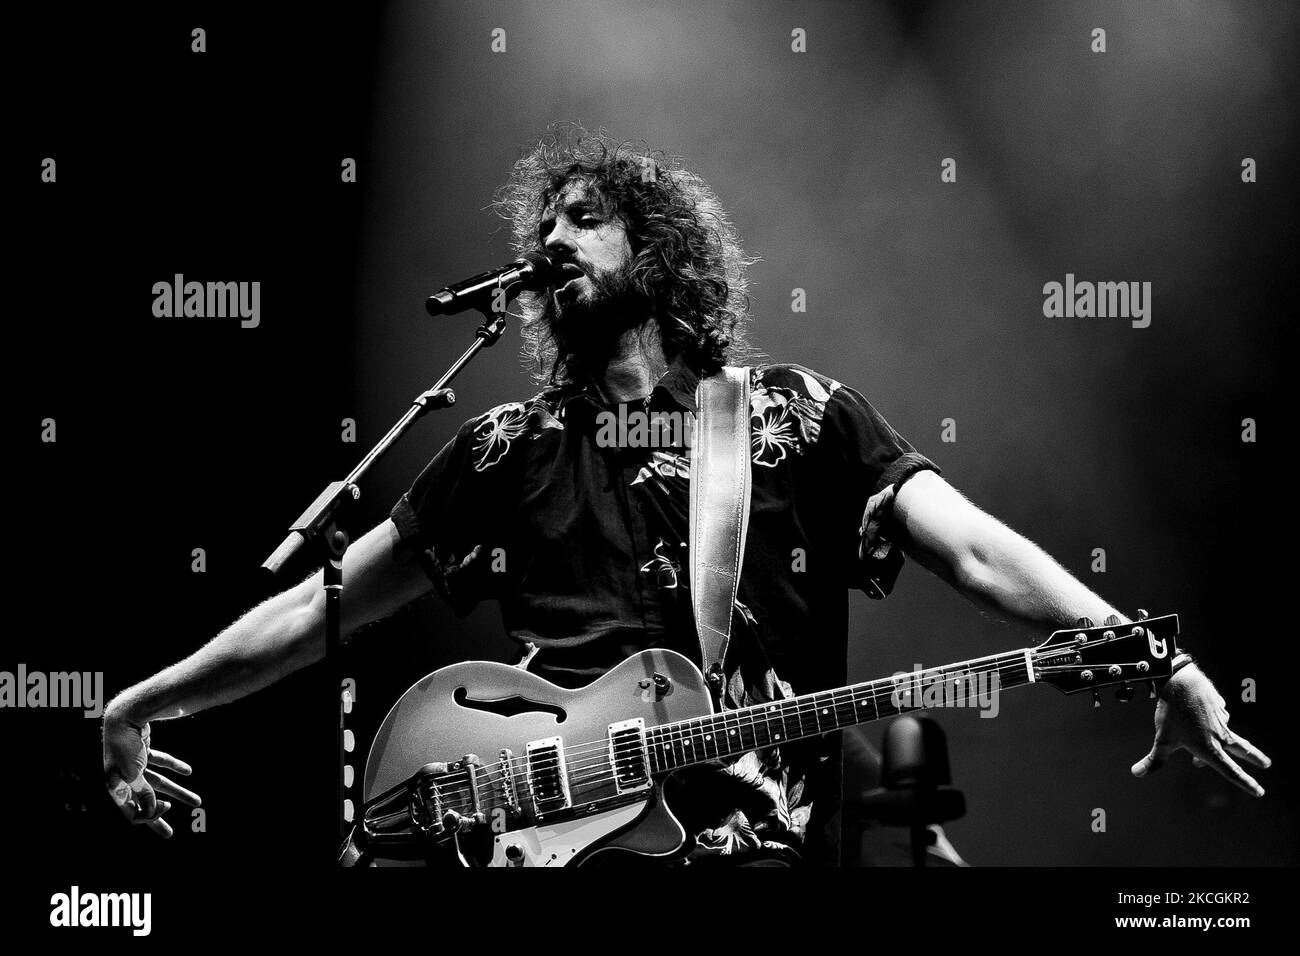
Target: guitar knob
point(1125, 693)
point(1096, 698)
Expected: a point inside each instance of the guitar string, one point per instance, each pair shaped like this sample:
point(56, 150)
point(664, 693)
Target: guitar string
point(590, 765)
point(586, 764)
point(990, 663)
point(599, 767)
point(585, 770)
point(807, 702)
point(589, 769)
point(680, 732)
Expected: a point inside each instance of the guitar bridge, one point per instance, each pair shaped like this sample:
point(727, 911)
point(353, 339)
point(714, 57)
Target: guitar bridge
point(506, 772)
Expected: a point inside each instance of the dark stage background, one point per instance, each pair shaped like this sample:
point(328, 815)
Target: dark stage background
point(177, 434)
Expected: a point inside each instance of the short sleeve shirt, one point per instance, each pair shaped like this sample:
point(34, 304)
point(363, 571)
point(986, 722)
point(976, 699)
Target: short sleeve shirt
point(580, 514)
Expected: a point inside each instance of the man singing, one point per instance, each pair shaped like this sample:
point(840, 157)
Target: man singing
point(650, 298)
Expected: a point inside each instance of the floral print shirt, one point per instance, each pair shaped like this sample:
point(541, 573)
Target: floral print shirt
point(582, 541)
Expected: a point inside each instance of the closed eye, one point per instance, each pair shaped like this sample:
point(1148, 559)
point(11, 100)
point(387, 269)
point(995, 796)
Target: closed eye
point(583, 220)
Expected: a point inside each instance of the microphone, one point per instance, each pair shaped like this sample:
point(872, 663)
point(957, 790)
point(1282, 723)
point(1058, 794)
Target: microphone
point(532, 272)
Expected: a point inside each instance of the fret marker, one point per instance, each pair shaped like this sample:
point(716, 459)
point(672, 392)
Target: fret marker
point(708, 736)
point(777, 737)
point(825, 710)
point(731, 733)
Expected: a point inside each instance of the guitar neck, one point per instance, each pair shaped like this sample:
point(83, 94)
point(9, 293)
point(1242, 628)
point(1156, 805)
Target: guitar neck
point(967, 683)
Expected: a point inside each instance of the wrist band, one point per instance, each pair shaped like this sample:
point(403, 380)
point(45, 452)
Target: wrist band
point(1181, 660)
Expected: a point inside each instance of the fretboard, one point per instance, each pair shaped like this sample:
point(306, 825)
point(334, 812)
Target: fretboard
point(733, 732)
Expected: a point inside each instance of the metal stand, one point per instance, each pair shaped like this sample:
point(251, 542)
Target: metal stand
point(321, 524)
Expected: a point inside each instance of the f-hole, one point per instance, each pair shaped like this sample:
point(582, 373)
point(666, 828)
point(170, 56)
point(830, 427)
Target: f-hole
point(508, 706)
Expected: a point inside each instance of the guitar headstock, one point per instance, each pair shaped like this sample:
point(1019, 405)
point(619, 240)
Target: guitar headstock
point(1088, 657)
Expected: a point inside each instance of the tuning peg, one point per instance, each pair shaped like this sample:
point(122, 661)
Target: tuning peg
point(1084, 622)
point(1111, 620)
point(1096, 698)
point(1125, 693)
point(1143, 614)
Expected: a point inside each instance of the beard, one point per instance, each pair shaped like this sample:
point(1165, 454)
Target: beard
point(589, 324)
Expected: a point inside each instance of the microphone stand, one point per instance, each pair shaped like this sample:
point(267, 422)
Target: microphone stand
point(915, 779)
point(321, 525)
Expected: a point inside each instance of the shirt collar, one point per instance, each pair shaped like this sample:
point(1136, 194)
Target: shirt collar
point(677, 384)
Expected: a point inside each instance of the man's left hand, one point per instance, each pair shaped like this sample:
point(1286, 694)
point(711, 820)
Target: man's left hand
point(1192, 715)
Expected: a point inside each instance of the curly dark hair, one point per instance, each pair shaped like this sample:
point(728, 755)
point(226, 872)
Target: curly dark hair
point(687, 261)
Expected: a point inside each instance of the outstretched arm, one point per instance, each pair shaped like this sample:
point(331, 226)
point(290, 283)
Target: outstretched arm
point(1011, 576)
point(274, 639)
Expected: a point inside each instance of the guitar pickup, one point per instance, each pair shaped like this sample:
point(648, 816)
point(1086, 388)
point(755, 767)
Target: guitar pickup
point(548, 778)
point(627, 755)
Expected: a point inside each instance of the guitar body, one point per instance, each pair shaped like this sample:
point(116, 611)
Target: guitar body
point(483, 708)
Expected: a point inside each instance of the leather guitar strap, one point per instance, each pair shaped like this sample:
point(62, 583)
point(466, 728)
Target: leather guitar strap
point(720, 490)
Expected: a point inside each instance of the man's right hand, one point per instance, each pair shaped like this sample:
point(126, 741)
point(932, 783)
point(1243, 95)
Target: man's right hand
point(133, 785)
point(271, 641)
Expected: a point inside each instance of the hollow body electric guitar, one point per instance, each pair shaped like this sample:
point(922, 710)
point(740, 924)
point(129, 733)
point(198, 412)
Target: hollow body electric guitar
point(488, 764)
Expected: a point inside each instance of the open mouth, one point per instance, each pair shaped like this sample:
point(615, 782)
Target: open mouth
point(569, 273)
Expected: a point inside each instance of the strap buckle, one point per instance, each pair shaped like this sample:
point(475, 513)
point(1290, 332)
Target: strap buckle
point(716, 682)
